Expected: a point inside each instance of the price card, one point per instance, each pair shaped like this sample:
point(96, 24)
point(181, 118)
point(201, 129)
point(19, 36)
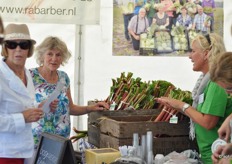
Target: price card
point(173, 120)
point(53, 96)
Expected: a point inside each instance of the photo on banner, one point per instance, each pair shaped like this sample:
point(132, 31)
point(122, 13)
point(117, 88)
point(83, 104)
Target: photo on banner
point(163, 27)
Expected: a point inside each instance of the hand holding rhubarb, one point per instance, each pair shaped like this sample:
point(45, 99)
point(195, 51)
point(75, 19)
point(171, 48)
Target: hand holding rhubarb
point(100, 105)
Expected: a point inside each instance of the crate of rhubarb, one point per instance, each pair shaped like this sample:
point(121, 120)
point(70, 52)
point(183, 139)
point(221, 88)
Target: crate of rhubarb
point(133, 109)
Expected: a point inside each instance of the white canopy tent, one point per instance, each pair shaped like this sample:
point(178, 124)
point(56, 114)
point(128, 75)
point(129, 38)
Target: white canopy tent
point(92, 65)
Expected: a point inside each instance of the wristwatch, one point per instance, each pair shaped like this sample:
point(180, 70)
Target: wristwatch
point(186, 106)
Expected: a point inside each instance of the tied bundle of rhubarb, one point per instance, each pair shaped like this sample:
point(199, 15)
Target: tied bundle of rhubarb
point(132, 93)
point(79, 134)
point(167, 112)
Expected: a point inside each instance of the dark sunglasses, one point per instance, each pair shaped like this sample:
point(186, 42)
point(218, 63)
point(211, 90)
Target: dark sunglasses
point(24, 45)
point(1, 38)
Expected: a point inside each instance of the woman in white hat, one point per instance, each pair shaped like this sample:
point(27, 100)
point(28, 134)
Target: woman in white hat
point(16, 96)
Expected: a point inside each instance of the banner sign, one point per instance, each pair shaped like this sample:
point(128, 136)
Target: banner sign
point(80, 12)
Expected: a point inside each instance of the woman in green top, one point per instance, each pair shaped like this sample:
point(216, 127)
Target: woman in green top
point(211, 104)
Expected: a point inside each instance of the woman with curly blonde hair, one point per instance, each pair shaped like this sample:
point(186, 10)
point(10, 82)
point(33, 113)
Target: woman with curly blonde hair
point(50, 54)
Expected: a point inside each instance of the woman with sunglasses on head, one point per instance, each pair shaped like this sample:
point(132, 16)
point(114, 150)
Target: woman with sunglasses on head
point(210, 102)
point(17, 111)
point(221, 73)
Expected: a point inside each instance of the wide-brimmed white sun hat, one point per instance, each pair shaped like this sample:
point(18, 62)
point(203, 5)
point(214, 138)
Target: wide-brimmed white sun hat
point(18, 32)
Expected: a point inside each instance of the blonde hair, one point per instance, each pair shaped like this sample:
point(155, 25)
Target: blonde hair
point(221, 68)
point(214, 44)
point(51, 43)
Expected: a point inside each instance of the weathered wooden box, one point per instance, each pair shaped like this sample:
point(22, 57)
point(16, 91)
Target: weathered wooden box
point(95, 117)
point(118, 131)
point(116, 128)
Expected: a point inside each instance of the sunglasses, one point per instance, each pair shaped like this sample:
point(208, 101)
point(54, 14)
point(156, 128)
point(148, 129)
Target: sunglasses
point(24, 45)
point(208, 38)
point(1, 38)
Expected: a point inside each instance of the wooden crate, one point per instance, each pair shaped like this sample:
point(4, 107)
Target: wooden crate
point(118, 131)
point(94, 119)
point(115, 131)
point(163, 145)
point(146, 51)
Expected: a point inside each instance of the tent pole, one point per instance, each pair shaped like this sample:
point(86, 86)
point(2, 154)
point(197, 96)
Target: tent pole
point(77, 121)
point(79, 68)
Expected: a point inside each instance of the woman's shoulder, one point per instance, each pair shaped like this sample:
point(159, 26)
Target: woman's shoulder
point(211, 83)
point(179, 16)
point(165, 15)
point(33, 71)
point(188, 17)
point(63, 74)
point(214, 86)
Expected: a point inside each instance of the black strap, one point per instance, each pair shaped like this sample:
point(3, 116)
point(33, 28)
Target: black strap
point(138, 23)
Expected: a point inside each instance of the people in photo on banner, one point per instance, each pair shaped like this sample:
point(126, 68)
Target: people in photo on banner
point(211, 104)
point(138, 25)
point(17, 109)
point(201, 23)
point(191, 8)
point(221, 73)
point(138, 5)
point(128, 13)
point(209, 9)
point(50, 54)
point(176, 11)
point(168, 9)
point(150, 9)
point(184, 19)
point(198, 2)
point(161, 18)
